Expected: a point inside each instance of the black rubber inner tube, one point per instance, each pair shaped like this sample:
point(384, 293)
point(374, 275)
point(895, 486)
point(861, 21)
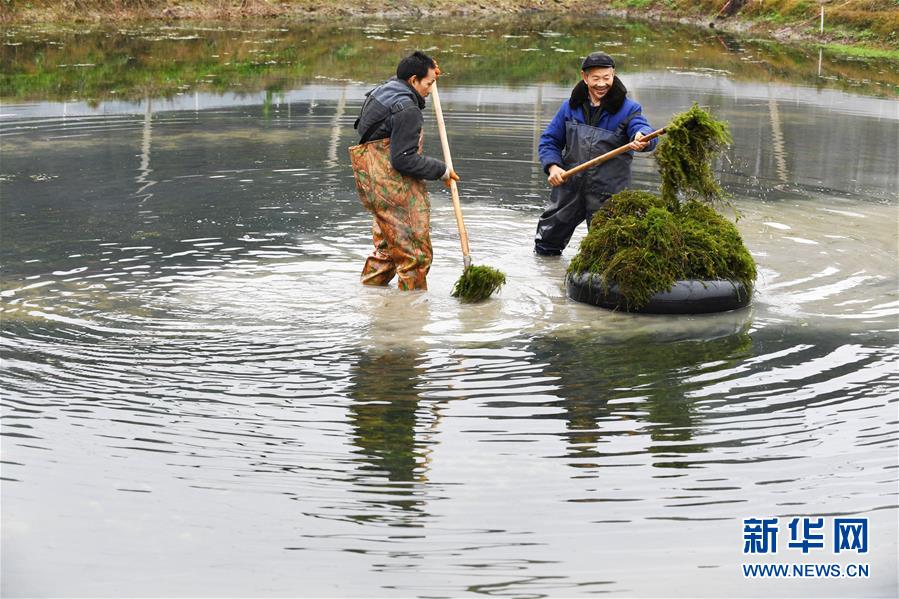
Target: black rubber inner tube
point(685, 297)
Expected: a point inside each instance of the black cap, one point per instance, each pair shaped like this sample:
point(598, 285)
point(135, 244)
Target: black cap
point(598, 59)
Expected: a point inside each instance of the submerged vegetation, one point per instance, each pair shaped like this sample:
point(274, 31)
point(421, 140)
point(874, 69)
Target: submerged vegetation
point(477, 283)
point(645, 243)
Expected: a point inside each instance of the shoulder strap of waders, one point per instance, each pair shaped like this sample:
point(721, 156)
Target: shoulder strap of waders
point(622, 127)
point(373, 127)
point(369, 131)
point(597, 115)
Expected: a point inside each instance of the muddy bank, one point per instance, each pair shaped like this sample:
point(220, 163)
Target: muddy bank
point(862, 23)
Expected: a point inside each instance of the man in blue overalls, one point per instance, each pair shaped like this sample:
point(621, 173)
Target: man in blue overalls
point(597, 118)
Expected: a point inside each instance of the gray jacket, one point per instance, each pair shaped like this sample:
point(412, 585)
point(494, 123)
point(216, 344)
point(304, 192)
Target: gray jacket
point(393, 109)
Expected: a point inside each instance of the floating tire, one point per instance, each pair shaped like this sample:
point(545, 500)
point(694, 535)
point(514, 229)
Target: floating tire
point(685, 297)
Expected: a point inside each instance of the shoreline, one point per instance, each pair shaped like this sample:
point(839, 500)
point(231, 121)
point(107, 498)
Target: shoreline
point(784, 29)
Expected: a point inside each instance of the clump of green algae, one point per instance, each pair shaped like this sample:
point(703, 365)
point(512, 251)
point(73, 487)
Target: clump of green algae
point(645, 242)
point(685, 155)
point(477, 283)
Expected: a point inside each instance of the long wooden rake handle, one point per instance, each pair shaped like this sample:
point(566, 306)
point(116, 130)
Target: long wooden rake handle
point(454, 190)
point(611, 154)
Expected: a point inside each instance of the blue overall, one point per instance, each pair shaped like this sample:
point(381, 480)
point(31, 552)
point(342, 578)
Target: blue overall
point(583, 194)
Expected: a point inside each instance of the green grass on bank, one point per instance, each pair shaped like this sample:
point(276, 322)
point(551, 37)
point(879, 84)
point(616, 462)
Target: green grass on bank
point(860, 51)
point(854, 21)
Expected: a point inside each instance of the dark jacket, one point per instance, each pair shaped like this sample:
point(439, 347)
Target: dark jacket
point(393, 109)
point(614, 109)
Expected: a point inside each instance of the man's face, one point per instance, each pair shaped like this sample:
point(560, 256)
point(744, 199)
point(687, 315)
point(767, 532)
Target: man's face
point(599, 81)
point(423, 86)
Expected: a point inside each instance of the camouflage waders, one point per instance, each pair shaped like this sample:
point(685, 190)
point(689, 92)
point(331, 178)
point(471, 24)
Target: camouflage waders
point(401, 231)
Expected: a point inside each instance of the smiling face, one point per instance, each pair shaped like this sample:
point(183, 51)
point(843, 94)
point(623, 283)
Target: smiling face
point(423, 86)
point(599, 82)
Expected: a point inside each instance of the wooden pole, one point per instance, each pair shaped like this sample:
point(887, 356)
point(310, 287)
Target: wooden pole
point(454, 190)
point(611, 154)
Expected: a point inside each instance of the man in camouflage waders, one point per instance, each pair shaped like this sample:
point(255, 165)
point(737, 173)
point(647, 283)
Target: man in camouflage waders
point(390, 175)
point(597, 118)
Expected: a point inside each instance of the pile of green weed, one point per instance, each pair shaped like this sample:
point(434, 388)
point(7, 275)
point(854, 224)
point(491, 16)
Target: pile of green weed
point(685, 154)
point(477, 283)
point(644, 244)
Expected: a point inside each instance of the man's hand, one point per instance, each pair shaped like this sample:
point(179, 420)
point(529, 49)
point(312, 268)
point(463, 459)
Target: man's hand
point(555, 175)
point(638, 145)
point(449, 177)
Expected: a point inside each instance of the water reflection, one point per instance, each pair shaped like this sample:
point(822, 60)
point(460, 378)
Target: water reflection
point(729, 42)
point(392, 424)
point(167, 62)
point(634, 387)
point(334, 140)
point(777, 142)
point(144, 168)
point(385, 416)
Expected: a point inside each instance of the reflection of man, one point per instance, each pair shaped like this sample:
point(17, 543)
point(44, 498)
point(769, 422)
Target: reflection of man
point(384, 415)
point(663, 406)
point(598, 117)
point(388, 415)
point(390, 173)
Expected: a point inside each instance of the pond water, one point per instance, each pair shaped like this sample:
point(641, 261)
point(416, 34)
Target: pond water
point(199, 398)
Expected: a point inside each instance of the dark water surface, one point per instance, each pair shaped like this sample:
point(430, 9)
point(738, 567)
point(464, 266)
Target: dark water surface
point(199, 399)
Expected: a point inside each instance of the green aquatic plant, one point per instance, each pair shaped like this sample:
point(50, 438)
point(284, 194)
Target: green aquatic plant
point(477, 283)
point(692, 140)
point(644, 244)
